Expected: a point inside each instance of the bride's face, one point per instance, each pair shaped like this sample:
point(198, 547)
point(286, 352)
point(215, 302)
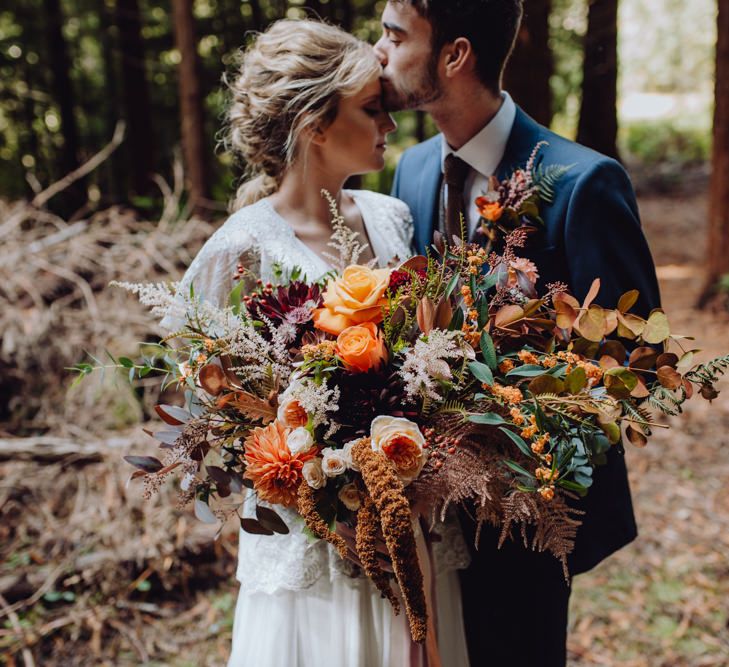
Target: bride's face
point(355, 142)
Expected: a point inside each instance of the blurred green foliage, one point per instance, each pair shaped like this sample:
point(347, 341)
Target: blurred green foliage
point(673, 57)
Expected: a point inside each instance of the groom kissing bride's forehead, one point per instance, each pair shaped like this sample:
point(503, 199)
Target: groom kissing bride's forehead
point(447, 57)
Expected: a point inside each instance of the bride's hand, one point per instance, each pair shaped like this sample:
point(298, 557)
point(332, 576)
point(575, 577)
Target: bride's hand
point(349, 536)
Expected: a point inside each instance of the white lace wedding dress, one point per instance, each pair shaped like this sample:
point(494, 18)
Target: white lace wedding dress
point(299, 604)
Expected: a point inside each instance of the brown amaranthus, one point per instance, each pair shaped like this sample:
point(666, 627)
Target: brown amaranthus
point(389, 498)
point(366, 539)
point(314, 522)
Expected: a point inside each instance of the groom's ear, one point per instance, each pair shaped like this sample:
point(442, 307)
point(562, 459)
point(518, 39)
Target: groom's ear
point(458, 56)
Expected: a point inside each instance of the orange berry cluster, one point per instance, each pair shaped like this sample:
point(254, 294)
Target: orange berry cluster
point(323, 351)
point(510, 395)
point(476, 261)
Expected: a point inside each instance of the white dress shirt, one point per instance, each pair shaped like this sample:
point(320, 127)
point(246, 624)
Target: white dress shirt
point(483, 153)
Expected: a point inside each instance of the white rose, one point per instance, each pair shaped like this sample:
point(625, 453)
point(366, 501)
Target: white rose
point(314, 474)
point(349, 495)
point(299, 440)
point(401, 441)
point(347, 453)
point(333, 462)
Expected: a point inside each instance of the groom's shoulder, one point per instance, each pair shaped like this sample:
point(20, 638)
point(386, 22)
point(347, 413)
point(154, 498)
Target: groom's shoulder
point(581, 159)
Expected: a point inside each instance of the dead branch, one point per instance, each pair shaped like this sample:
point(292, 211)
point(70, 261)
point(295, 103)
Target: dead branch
point(42, 198)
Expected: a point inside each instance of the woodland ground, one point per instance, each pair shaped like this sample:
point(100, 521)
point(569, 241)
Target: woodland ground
point(79, 591)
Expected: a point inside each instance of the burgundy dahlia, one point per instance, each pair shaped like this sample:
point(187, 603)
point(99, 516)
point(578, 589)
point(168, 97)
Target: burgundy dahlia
point(400, 278)
point(291, 303)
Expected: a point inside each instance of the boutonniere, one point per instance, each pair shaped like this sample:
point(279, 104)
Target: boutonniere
point(516, 201)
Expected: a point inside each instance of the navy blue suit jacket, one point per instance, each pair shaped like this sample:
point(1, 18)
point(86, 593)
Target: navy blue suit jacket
point(591, 230)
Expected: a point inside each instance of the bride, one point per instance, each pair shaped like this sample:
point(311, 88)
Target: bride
point(306, 114)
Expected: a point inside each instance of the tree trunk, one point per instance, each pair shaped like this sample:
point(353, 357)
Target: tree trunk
point(114, 174)
point(347, 15)
point(314, 8)
point(137, 108)
point(532, 65)
point(194, 149)
point(718, 250)
point(598, 126)
point(256, 14)
point(62, 87)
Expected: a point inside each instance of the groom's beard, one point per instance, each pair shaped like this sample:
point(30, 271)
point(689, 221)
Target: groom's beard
point(402, 98)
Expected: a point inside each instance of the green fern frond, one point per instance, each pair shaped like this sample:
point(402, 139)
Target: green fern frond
point(709, 372)
point(667, 401)
point(545, 178)
point(452, 407)
point(638, 415)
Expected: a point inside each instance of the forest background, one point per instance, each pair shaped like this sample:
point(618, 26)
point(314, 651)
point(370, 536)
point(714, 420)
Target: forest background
point(112, 167)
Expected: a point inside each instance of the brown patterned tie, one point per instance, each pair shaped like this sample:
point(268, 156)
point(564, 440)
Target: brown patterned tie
point(455, 172)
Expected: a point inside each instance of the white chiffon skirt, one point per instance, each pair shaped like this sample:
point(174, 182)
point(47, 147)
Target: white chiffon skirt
point(340, 622)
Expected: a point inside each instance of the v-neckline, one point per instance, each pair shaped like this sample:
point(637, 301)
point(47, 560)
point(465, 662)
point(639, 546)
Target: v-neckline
point(290, 230)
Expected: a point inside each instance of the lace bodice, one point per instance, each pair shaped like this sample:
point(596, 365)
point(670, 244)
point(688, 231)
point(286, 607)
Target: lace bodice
point(260, 239)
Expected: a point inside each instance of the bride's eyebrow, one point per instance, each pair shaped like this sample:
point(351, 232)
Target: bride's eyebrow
point(373, 98)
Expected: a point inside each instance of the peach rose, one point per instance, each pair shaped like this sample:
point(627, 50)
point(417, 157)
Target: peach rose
point(401, 441)
point(276, 472)
point(354, 298)
point(361, 348)
point(290, 413)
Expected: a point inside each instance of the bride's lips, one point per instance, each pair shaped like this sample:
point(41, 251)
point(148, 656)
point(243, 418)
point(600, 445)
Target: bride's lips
point(382, 146)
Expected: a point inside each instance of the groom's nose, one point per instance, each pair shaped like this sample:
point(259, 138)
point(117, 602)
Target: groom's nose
point(380, 51)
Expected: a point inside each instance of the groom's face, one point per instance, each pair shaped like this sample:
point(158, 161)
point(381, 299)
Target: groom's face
point(409, 66)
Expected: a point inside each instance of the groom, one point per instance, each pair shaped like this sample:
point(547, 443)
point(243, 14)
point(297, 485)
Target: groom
point(447, 57)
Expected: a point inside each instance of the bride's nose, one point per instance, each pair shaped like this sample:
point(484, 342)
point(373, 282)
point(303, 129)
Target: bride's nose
point(388, 123)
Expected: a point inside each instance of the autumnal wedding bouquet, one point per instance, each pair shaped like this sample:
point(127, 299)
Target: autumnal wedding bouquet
point(448, 379)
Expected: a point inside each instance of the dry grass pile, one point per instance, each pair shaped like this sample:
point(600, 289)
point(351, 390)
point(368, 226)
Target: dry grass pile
point(89, 569)
point(55, 306)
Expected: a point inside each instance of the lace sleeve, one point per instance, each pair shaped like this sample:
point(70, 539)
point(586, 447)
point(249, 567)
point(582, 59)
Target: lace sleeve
point(405, 228)
point(214, 271)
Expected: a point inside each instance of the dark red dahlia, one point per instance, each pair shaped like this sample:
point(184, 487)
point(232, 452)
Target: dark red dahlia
point(286, 303)
point(400, 278)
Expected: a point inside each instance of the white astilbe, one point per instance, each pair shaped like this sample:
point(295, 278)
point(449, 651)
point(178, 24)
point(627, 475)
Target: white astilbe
point(319, 401)
point(260, 354)
point(343, 240)
point(159, 297)
point(165, 300)
point(425, 366)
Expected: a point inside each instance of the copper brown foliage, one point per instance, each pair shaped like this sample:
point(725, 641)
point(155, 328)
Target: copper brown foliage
point(474, 475)
point(366, 543)
point(314, 522)
point(389, 498)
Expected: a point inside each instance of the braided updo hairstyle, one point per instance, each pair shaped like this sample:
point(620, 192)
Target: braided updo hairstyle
point(290, 78)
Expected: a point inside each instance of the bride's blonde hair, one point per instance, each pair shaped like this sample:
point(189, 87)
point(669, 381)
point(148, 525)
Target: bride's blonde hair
point(290, 78)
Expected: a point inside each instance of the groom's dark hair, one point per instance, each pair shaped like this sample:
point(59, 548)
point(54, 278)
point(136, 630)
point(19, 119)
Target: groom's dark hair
point(490, 25)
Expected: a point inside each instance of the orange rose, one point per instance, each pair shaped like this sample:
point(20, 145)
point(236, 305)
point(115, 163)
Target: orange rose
point(355, 298)
point(401, 441)
point(361, 348)
point(489, 210)
point(276, 472)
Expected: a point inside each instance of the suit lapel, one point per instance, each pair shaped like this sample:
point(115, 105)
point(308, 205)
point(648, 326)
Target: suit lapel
point(524, 136)
point(428, 195)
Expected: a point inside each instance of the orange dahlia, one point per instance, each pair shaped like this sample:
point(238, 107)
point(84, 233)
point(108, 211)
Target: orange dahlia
point(275, 472)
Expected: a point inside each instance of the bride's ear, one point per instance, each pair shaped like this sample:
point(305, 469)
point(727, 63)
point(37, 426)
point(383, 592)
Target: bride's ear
point(315, 135)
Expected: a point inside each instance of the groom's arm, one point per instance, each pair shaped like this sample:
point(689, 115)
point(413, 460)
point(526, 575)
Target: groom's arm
point(395, 190)
point(604, 239)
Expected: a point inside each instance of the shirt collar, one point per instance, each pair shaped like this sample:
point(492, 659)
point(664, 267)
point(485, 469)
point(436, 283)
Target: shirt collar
point(483, 151)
